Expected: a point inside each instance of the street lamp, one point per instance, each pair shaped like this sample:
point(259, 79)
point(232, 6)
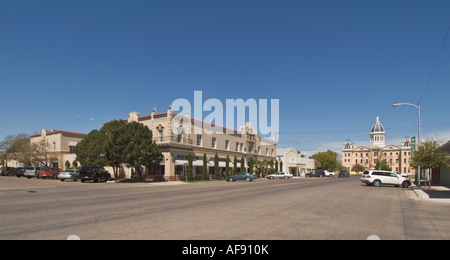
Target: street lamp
point(418, 108)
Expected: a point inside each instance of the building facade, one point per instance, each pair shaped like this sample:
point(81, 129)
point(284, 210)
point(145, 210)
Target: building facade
point(294, 162)
point(397, 157)
point(194, 140)
point(56, 148)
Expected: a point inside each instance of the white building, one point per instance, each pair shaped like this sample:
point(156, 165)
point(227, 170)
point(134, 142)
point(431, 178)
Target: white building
point(294, 162)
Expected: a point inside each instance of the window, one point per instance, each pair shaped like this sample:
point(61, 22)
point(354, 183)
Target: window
point(214, 142)
point(199, 140)
point(237, 146)
point(227, 144)
point(160, 135)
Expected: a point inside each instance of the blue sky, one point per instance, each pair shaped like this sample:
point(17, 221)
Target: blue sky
point(334, 65)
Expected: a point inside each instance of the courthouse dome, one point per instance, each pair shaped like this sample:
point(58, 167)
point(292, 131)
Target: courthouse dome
point(377, 127)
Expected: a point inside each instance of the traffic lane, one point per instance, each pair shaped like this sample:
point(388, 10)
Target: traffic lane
point(49, 209)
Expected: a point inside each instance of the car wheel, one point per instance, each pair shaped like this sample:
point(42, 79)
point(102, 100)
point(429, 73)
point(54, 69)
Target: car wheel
point(231, 179)
point(405, 184)
point(249, 180)
point(377, 183)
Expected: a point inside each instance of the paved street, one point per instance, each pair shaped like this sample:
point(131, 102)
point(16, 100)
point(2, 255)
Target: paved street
point(262, 210)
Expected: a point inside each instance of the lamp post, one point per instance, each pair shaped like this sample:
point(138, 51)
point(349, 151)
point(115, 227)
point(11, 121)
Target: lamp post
point(418, 108)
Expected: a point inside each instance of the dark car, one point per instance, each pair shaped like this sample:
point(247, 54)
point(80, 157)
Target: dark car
point(92, 173)
point(241, 176)
point(8, 171)
point(20, 172)
point(344, 174)
point(319, 174)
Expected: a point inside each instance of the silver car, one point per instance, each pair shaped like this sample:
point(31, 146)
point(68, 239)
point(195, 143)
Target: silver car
point(69, 175)
point(280, 175)
point(31, 172)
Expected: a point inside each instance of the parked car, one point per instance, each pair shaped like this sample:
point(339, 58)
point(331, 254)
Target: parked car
point(31, 172)
point(280, 175)
point(378, 178)
point(92, 173)
point(241, 176)
point(45, 173)
point(319, 174)
point(344, 174)
point(19, 172)
point(8, 171)
point(71, 174)
point(330, 174)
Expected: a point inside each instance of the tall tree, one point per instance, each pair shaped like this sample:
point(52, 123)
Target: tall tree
point(116, 142)
point(227, 166)
point(141, 151)
point(216, 166)
point(235, 165)
point(190, 167)
point(205, 167)
point(91, 150)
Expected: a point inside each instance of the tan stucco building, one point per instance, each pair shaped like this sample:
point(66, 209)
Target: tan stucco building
point(397, 157)
point(193, 139)
point(57, 148)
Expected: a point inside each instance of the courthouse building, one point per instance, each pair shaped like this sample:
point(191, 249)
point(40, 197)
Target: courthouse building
point(176, 147)
point(397, 157)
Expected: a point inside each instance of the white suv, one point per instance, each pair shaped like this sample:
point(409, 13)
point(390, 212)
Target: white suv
point(377, 178)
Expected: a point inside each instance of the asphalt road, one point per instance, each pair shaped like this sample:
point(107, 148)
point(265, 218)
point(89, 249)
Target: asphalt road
point(261, 210)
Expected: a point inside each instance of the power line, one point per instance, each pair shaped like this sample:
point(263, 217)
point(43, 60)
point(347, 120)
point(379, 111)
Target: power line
point(435, 65)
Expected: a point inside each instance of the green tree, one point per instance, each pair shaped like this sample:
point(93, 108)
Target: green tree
point(227, 166)
point(242, 164)
point(235, 165)
point(276, 166)
point(383, 166)
point(116, 141)
point(427, 157)
point(216, 166)
point(141, 151)
point(358, 168)
point(327, 160)
point(190, 167)
point(205, 167)
point(91, 150)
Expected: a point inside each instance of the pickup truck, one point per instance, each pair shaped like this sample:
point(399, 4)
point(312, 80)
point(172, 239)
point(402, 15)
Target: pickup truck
point(92, 173)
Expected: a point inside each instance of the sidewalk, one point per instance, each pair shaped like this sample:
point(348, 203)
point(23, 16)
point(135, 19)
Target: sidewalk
point(435, 193)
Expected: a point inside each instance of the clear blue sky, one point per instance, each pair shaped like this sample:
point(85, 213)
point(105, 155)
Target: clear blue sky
point(334, 65)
